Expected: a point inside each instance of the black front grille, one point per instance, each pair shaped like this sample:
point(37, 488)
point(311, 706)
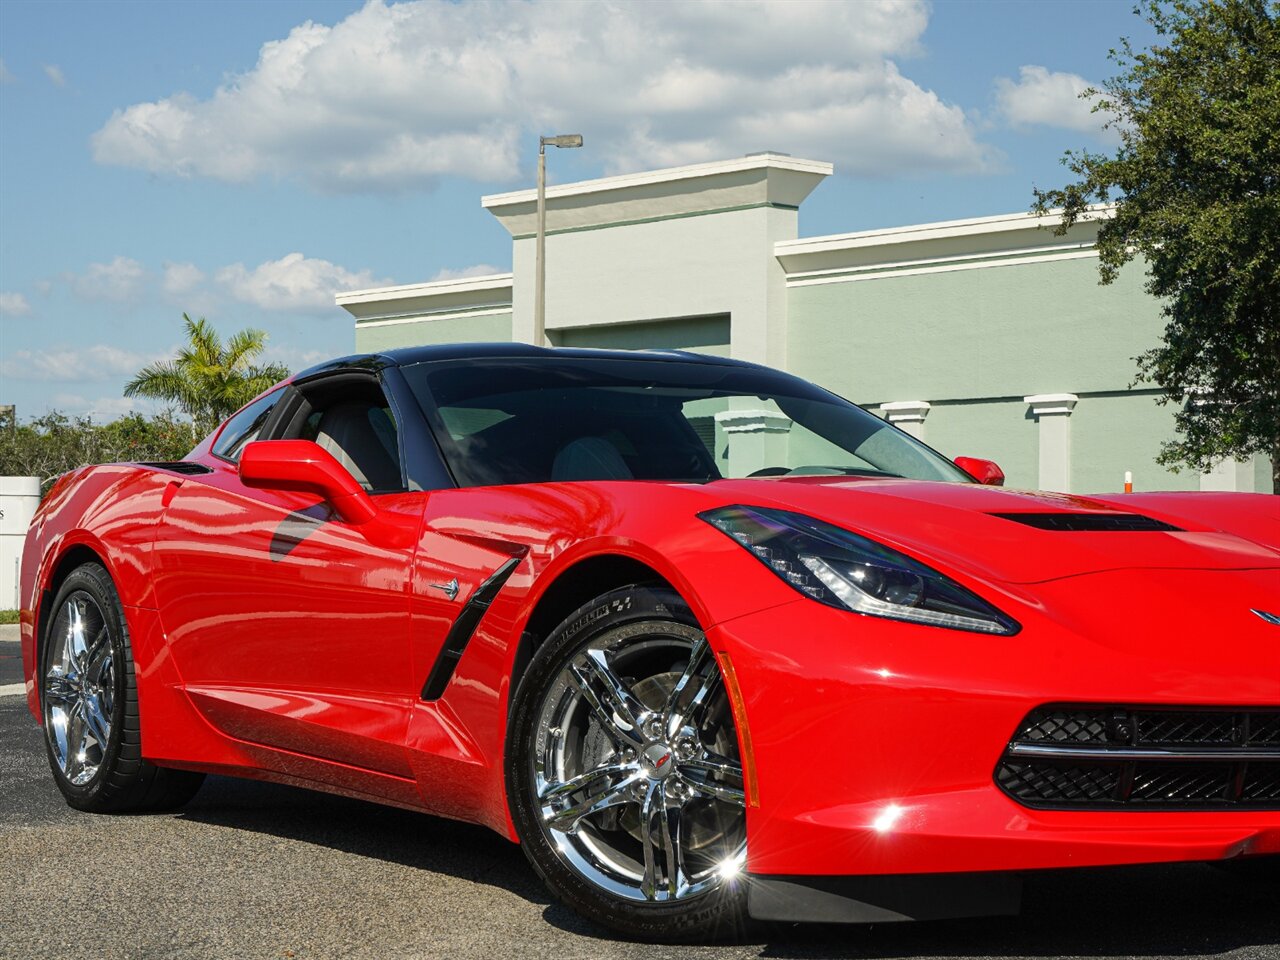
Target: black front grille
point(1180, 783)
point(1049, 784)
point(1262, 783)
point(1151, 758)
point(1265, 729)
point(1059, 726)
point(1177, 728)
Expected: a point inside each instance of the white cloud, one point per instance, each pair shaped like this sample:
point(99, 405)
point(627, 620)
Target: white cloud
point(13, 305)
point(181, 278)
point(479, 270)
point(184, 284)
point(1041, 97)
point(104, 409)
point(397, 95)
point(119, 281)
point(69, 364)
point(55, 74)
point(293, 357)
point(293, 282)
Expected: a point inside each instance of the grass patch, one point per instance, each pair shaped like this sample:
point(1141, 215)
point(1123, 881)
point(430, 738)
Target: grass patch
point(8, 616)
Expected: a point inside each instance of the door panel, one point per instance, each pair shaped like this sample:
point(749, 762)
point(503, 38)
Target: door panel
point(289, 627)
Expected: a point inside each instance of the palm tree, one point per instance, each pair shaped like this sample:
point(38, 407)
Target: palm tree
point(207, 380)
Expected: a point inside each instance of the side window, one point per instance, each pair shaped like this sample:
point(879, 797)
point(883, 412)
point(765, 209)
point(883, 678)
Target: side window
point(244, 427)
point(359, 430)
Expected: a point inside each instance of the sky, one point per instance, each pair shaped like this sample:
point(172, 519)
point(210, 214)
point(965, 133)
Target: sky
point(245, 160)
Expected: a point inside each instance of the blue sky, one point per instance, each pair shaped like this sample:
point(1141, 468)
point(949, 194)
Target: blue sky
point(245, 160)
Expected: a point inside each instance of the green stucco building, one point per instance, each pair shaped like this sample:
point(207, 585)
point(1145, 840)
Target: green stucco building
point(988, 337)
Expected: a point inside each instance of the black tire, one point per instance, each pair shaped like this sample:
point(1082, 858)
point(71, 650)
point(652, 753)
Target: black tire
point(123, 781)
point(718, 914)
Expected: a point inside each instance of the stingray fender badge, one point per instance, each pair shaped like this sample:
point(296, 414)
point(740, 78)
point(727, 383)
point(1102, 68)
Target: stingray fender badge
point(1271, 618)
point(449, 589)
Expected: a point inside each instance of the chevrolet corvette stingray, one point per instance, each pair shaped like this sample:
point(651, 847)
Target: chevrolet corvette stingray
point(708, 641)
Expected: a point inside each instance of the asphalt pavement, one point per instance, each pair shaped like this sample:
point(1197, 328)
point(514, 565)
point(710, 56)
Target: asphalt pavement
point(252, 870)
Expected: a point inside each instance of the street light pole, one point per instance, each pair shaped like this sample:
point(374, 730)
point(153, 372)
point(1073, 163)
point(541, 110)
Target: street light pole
point(540, 288)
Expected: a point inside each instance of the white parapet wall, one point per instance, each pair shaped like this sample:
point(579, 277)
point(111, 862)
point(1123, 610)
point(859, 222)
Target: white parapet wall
point(983, 316)
point(664, 246)
point(19, 497)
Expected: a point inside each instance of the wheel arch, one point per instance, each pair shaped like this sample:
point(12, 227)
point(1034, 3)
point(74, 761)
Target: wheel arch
point(569, 593)
point(572, 587)
point(69, 557)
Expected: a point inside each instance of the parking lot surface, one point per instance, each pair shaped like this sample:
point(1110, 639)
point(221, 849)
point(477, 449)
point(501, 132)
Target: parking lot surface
point(253, 870)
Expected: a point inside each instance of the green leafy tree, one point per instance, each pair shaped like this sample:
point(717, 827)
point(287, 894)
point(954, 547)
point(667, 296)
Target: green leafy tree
point(1196, 187)
point(136, 437)
point(209, 380)
point(49, 446)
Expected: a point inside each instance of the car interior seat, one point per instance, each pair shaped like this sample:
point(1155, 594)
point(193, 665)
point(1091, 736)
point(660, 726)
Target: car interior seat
point(590, 458)
point(363, 439)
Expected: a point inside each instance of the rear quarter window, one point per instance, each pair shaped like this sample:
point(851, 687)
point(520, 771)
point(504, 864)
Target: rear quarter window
point(244, 427)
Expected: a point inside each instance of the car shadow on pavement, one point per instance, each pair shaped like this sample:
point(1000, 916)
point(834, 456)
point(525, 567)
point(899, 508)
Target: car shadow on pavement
point(1147, 911)
point(1168, 910)
point(415, 840)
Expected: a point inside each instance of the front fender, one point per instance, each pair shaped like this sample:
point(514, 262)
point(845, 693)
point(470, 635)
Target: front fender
point(110, 512)
point(457, 743)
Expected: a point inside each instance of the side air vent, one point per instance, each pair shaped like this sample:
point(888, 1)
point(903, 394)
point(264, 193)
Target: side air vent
point(188, 467)
point(1097, 522)
point(459, 635)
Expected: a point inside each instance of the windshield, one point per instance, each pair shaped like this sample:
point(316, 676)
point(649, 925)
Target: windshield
point(506, 420)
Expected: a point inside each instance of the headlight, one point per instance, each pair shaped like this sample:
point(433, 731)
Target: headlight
point(844, 570)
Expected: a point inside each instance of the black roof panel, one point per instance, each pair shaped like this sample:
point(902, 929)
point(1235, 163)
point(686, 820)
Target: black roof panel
point(403, 356)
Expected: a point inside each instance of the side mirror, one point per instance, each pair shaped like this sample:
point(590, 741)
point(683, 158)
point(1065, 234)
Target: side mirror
point(306, 466)
point(986, 472)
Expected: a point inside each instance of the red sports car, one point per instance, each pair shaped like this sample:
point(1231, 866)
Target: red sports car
point(707, 640)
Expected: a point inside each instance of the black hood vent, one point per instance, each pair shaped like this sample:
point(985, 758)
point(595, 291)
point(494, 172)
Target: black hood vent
point(1095, 522)
point(189, 467)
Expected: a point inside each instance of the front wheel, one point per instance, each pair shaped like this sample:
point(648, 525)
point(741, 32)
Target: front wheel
point(90, 705)
point(624, 773)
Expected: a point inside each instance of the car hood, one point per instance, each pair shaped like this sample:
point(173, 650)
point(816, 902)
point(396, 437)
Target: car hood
point(960, 525)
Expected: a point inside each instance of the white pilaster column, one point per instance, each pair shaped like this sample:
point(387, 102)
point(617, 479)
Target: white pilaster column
point(756, 439)
point(1053, 416)
point(19, 498)
point(1230, 475)
point(907, 414)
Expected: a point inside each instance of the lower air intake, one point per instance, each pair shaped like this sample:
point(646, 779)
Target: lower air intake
point(1144, 758)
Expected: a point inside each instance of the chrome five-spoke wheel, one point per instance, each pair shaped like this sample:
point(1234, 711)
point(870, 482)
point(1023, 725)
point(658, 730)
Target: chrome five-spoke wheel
point(635, 765)
point(89, 703)
point(623, 771)
point(79, 688)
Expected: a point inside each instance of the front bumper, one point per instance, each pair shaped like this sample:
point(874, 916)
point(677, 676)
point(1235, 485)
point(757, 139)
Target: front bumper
point(875, 742)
